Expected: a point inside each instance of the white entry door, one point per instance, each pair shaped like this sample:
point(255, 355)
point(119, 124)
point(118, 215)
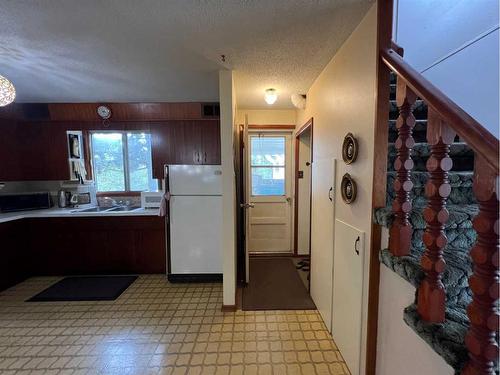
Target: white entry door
point(269, 192)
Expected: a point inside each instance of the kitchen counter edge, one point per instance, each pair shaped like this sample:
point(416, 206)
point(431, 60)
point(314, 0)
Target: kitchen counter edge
point(60, 212)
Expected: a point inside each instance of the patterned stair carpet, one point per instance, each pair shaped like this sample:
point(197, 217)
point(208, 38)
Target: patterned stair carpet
point(447, 339)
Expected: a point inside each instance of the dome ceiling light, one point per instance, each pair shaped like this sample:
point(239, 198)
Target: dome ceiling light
point(7, 91)
point(298, 101)
point(271, 96)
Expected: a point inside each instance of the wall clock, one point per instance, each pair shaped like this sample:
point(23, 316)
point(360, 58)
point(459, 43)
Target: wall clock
point(349, 149)
point(104, 112)
point(348, 188)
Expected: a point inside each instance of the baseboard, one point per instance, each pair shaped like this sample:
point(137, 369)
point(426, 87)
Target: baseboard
point(195, 278)
point(228, 308)
point(280, 255)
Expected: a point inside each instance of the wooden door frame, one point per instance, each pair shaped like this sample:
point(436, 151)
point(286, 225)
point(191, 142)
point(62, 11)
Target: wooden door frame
point(307, 126)
point(381, 134)
point(241, 222)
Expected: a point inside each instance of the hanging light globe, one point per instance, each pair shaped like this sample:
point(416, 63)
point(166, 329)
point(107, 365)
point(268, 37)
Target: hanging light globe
point(7, 91)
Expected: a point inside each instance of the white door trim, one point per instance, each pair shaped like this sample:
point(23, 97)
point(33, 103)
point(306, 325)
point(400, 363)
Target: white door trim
point(287, 198)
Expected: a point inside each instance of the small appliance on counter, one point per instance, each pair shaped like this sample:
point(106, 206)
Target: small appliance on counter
point(151, 199)
point(77, 195)
point(25, 201)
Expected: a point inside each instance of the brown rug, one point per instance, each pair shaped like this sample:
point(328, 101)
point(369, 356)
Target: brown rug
point(275, 285)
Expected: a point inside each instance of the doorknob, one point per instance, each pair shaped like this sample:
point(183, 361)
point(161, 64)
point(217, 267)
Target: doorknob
point(247, 205)
point(330, 194)
point(288, 199)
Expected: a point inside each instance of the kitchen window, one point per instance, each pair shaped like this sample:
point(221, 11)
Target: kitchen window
point(121, 161)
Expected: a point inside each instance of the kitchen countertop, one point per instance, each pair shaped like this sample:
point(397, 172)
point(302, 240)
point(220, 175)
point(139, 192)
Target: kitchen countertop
point(72, 212)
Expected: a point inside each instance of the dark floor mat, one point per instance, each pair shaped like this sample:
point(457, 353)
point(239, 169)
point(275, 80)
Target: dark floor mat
point(85, 288)
point(275, 285)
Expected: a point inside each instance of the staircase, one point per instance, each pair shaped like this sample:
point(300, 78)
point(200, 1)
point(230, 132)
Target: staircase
point(447, 338)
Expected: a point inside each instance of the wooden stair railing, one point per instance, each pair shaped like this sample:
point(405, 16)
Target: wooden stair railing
point(445, 120)
point(401, 230)
point(431, 292)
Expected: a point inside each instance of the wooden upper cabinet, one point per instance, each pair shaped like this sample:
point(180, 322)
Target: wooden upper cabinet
point(184, 142)
point(33, 151)
point(162, 146)
point(210, 142)
point(9, 162)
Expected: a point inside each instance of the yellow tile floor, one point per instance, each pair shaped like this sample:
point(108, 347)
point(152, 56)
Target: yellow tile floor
point(158, 328)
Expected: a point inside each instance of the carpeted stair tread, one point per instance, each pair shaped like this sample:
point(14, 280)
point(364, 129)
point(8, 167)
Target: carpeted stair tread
point(455, 277)
point(423, 150)
point(461, 154)
point(457, 179)
point(460, 182)
point(460, 216)
point(457, 238)
point(392, 91)
point(446, 339)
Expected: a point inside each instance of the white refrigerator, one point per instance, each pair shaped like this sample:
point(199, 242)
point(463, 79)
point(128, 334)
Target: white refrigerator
point(194, 222)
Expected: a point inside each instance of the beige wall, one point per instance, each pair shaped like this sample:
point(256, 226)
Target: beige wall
point(342, 100)
point(267, 116)
point(399, 349)
point(227, 120)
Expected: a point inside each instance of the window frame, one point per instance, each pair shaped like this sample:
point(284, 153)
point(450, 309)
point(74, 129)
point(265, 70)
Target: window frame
point(281, 166)
point(126, 170)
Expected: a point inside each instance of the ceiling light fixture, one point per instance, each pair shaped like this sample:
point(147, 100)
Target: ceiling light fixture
point(298, 101)
point(271, 96)
point(7, 92)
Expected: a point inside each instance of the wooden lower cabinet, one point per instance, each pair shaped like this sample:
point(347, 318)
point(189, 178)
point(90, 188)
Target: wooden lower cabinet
point(97, 245)
point(15, 264)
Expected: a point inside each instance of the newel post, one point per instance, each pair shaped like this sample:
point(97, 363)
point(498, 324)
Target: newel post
point(431, 292)
point(401, 231)
point(484, 282)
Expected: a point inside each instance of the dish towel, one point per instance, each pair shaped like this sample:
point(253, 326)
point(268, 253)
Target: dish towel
point(163, 205)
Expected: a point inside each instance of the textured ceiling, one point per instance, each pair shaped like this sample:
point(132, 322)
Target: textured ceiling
point(161, 50)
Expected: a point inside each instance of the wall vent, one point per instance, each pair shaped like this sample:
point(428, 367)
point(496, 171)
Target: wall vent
point(210, 110)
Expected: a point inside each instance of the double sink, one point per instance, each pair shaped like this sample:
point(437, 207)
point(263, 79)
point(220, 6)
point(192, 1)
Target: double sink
point(108, 209)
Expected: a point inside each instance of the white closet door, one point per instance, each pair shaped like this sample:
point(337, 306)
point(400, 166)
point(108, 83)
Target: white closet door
point(348, 292)
point(322, 214)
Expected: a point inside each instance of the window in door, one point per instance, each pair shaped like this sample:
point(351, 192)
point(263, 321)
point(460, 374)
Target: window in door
point(122, 161)
point(267, 164)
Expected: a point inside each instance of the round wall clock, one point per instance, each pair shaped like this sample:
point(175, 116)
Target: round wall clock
point(348, 189)
point(349, 149)
point(104, 112)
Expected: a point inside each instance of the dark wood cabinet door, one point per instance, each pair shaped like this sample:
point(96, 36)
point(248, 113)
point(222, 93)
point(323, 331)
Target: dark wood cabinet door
point(210, 141)
point(187, 136)
point(184, 142)
point(162, 146)
point(42, 151)
point(15, 265)
point(9, 162)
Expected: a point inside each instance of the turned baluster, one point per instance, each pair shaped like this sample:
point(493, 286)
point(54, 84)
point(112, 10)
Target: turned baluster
point(431, 292)
point(484, 282)
point(401, 231)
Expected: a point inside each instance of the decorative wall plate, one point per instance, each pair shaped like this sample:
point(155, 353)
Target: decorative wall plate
point(348, 189)
point(349, 149)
